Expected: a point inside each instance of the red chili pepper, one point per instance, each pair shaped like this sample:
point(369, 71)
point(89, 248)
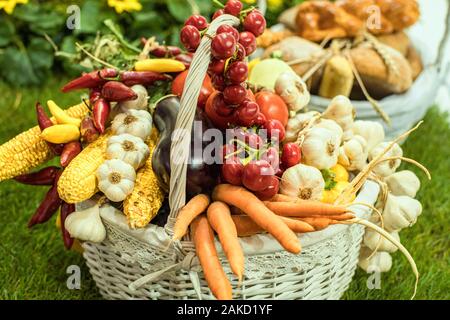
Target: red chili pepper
point(89, 132)
point(66, 210)
point(43, 177)
point(48, 206)
point(166, 51)
point(131, 78)
point(91, 80)
point(101, 113)
point(117, 91)
point(44, 122)
point(185, 58)
point(70, 151)
point(94, 95)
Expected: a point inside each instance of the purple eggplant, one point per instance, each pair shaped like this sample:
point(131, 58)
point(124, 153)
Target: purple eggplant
point(201, 177)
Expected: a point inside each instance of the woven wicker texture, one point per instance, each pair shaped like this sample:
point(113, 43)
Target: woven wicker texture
point(321, 271)
point(125, 267)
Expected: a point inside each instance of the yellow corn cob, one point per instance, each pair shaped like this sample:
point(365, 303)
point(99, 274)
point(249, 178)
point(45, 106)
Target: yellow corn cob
point(27, 150)
point(78, 181)
point(142, 205)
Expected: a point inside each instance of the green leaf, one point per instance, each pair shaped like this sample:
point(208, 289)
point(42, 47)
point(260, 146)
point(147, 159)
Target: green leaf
point(329, 176)
point(7, 31)
point(41, 57)
point(179, 9)
point(89, 18)
point(16, 67)
point(29, 13)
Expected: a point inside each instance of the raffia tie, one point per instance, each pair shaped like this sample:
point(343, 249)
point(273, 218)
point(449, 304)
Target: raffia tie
point(189, 263)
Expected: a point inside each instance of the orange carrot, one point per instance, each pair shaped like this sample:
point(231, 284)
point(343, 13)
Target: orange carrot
point(216, 278)
point(219, 218)
point(341, 217)
point(319, 223)
point(305, 208)
point(245, 226)
point(255, 208)
point(283, 198)
point(298, 226)
point(192, 209)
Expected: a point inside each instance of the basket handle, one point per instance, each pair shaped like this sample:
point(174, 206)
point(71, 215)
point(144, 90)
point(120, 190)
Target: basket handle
point(181, 137)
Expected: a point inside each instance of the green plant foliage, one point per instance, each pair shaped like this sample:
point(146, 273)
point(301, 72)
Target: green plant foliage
point(30, 36)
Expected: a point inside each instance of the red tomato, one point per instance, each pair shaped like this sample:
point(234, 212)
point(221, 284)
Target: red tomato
point(272, 106)
point(205, 92)
point(218, 120)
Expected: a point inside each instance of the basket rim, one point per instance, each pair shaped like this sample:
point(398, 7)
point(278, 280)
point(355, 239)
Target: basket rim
point(156, 237)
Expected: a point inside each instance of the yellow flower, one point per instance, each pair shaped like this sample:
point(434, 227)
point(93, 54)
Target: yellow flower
point(9, 5)
point(125, 5)
point(274, 4)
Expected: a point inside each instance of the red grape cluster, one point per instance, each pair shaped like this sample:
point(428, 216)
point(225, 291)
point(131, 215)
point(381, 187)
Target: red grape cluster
point(228, 68)
point(250, 162)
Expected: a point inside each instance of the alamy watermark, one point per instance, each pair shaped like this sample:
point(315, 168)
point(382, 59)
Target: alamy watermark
point(73, 21)
point(73, 281)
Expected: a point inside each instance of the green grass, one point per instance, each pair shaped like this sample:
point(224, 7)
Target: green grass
point(33, 263)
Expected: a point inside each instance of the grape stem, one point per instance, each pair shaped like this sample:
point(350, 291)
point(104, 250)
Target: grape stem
point(218, 4)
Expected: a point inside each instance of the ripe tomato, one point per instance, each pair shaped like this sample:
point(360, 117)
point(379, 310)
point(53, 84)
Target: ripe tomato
point(219, 121)
point(205, 92)
point(272, 106)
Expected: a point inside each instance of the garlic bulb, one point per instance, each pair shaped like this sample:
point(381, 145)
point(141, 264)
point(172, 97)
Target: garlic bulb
point(342, 111)
point(116, 179)
point(135, 122)
point(86, 225)
point(293, 90)
point(320, 148)
point(372, 238)
point(400, 212)
point(403, 183)
point(296, 124)
point(141, 103)
point(372, 131)
point(353, 154)
point(302, 181)
point(129, 149)
point(330, 125)
point(386, 168)
point(379, 262)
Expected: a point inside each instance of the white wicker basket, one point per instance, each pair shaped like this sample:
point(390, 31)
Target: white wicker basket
point(140, 264)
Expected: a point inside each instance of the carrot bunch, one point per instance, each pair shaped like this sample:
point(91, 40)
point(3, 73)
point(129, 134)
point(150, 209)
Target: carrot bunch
point(282, 217)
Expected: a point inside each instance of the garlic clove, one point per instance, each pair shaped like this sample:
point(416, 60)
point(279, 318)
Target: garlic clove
point(403, 183)
point(400, 212)
point(126, 186)
point(372, 131)
point(386, 168)
point(379, 262)
point(342, 111)
point(86, 225)
point(372, 239)
point(114, 193)
point(141, 103)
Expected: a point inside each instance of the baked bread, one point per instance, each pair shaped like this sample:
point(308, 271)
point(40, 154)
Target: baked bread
point(382, 74)
point(399, 41)
point(320, 19)
point(296, 48)
point(415, 61)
